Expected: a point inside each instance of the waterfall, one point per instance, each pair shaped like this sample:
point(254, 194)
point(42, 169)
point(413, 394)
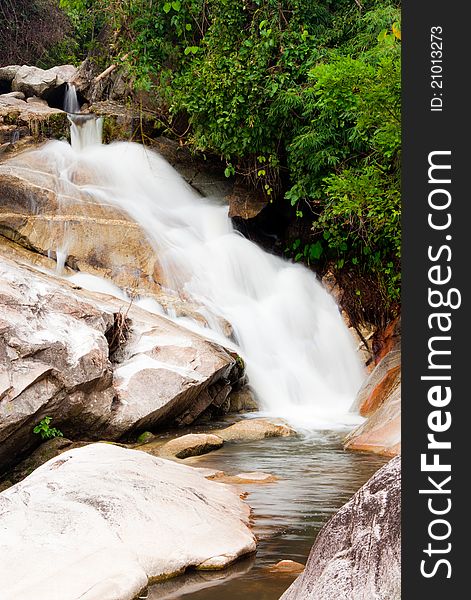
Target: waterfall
point(299, 355)
point(71, 103)
point(85, 131)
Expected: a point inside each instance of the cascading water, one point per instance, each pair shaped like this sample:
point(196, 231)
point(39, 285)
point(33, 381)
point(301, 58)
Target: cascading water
point(71, 103)
point(298, 353)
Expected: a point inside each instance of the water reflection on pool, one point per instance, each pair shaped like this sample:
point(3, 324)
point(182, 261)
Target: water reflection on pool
point(316, 477)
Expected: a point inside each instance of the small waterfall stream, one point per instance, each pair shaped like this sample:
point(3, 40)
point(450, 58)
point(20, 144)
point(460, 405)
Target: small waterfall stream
point(299, 356)
point(71, 102)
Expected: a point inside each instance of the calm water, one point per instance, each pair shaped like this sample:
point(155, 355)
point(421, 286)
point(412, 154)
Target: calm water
point(316, 478)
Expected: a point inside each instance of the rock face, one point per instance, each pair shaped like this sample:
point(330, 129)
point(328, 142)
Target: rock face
point(379, 399)
point(357, 555)
point(255, 477)
point(56, 342)
point(44, 212)
point(99, 522)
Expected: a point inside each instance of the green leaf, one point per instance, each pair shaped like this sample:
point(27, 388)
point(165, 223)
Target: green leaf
point(315, 251)
point(167, 7)
point(176, 5)
point(229, 171)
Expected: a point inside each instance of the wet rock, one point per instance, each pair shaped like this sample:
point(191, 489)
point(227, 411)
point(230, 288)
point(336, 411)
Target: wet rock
point(37, 207)
point(122, 122)
point(197, 581)
point(362, 335)
point(36, 120)
point(382, 381)
point(379, 399)
point(288, 567)
point(43, 211)
point(193, 444)
point(21, 255)
point(247, 478)
point(205, 176)
point(209, 473)
point(388, 340)
point(145, 437)
point(255, 429)
point(242, 400)
point(119, 518)
point(245, 204)
point(357, 555)
point(55, 346)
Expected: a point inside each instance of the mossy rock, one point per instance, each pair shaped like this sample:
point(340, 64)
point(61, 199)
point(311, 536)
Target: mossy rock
point(124, 123)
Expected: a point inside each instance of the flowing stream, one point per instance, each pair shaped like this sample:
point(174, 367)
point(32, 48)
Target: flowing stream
point(299, 356)
point(316, 477)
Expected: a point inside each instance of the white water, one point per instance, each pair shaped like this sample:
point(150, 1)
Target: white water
point(298, 353)
point(71, 103)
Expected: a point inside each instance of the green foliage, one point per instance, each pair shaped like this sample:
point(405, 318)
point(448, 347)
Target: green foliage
point(45, 431)
point(345, 160)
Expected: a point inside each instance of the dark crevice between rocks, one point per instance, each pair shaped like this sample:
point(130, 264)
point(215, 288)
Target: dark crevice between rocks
point(5, 86)
point(56, 97)
point(117, 336)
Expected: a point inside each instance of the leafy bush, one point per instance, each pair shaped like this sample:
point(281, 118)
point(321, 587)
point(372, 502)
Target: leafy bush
point(45, 431)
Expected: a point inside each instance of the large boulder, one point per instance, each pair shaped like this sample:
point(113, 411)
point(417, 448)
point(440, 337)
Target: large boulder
point(357, 555)
point(33, 81)
point(99, 522)
point(100, 367)
point(379, 399)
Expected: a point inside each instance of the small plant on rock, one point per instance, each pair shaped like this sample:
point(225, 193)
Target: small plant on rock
point(45, 431)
